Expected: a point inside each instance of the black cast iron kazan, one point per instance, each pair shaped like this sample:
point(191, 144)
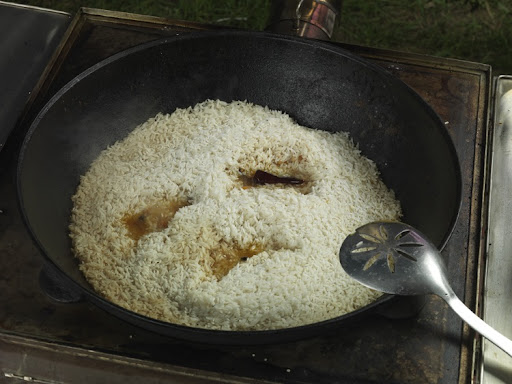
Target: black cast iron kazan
point(317, 84)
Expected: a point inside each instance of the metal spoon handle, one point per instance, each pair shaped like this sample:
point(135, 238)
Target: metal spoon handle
point(478, 324)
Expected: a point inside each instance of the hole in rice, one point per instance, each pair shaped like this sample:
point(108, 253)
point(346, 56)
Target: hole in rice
point(227, 256)
point(151, 219)
point(260, 178)
point(274, 168)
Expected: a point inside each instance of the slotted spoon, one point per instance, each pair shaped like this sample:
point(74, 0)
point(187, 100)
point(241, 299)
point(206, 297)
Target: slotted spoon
point(396, 258)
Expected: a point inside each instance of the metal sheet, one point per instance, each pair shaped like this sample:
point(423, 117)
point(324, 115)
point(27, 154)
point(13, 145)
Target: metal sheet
point(32, 36)
point(497, 297)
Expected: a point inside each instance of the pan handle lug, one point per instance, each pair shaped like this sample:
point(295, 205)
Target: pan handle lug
point(55, 285)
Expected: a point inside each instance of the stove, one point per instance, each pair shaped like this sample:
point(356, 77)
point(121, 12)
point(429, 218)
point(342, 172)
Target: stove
point(49, 341)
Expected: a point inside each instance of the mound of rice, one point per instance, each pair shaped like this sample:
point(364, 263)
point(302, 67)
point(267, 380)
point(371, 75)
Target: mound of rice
point(226, 255)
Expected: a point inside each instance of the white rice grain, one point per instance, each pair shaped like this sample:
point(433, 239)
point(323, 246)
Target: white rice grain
point(196, 155)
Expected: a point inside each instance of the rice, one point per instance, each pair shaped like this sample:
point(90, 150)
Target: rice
point(165, 224)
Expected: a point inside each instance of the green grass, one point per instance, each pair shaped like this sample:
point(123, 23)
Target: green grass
point(474, 30)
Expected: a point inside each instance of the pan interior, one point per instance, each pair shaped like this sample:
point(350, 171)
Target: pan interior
point(317, 85)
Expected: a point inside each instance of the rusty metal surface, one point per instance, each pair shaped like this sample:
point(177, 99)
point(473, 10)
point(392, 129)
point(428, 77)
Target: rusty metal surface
point(432, 347)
